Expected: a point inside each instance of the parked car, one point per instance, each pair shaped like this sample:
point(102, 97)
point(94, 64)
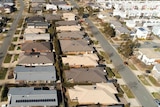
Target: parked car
point(157, 102)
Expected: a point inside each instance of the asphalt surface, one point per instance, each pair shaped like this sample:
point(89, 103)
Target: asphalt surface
point(136, 87)
point(7, 40)
point(140, 92)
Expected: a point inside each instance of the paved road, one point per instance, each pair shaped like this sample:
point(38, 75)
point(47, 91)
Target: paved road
point(11, 32)
point(137, 88)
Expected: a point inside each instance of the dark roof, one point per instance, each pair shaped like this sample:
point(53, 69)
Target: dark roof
point(36, 18)
point(54, 17)
point(38, 46)
point(56, 2)
point(94, 74)
point(66, 23)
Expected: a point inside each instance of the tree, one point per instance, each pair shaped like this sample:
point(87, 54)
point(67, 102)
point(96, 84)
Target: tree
point(127, 48)
point(90, 10)
point(80, 11)
point(124, 36)
point(108, 30)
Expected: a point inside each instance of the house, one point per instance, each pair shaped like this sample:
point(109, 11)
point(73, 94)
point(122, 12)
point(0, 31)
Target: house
point(52, 17)
point(35, 74)
point(29, 47)
point(104, 94)
point(78, 61)
point(68, 16)
point(149, 56)
point(130, 23)
point(36, 9)
point(51, 7)
point(35, 37)
point(83, 75)
point(34, 31)
point(121, 30)
point(7, 3)
point(32, 96)
point(39, 2)
point(71, 35)
point(156, 30)
point(36, 59)
point(36, 18)
point(65, 7)
point(156, 71)
point(57, 2)
point(115, 24)
point(142, 33)
point(67, 23)
point(76, 47)
point(43, 25)
point(68, 28)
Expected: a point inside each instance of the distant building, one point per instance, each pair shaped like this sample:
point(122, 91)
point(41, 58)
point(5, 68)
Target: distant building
point(142, 33)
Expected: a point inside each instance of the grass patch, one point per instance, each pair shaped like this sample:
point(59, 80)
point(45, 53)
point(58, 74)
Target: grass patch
point(143, 80)
point(106, 56)
point(3, 72)
point(1, 38)
point(8, 58)
point(153, 81)
point(11, 48)
point(20, 23)
point(156, 95)
point(16, 57)
point(110, 74)
point(17, 32)
point(127, 91)
point(132, 66)
point(15, 39)
point(4, 93)
point(117, 75)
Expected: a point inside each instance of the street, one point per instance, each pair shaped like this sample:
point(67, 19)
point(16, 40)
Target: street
point(136, 87)
point(11, 32)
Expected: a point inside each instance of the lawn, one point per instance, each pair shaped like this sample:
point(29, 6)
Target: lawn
point(11, 48)
point(3, 72)
point(1, 37)
point(110, 73)
point(156, 95)
point(16, 57)
point(117, 75)
point(132, 66)
point(15, 39)
point(106, 56)
point(127, 91)
point(17, 32)
point(8, 58)
point(153, 81)
point(143, 80)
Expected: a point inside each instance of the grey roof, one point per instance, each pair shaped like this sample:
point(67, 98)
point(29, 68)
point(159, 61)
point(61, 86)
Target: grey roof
point(115, 23)
point(30, 96)
point(38, 1)
point(35, 73)
point(36, 58)
point(157, 66)
point(66, 23)
point(71, 35)
point(94, 74)
point(37, 24)
point(37, 46)
point(75, 46)
point(56, 2)
point(53, 17)
point(122, 30)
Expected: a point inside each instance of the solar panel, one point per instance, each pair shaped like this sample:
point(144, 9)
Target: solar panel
point(35, 100)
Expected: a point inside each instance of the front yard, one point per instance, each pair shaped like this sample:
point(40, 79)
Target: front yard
point(8, 58)
point(3, 72)
point(128, 92)
point(144, 80)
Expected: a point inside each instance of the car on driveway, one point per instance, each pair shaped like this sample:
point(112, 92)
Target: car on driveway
point(157, 102)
